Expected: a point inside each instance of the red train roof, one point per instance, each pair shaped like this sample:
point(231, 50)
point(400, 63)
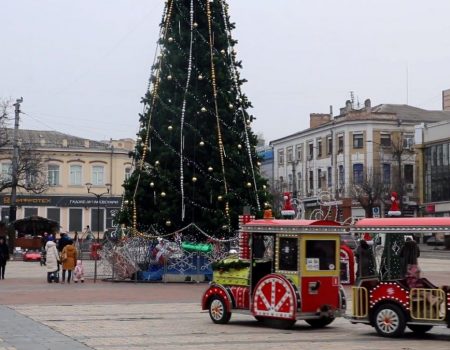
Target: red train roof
point(404, 222)
point(280, 222)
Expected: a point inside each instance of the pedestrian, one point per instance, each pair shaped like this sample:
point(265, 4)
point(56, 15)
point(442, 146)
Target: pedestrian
point(4, 256)
point(88, 233)
point(63, 241)
point(68, 259)
point(409, 254)
point(78, 274)
point(52, 260)
point(365, 260)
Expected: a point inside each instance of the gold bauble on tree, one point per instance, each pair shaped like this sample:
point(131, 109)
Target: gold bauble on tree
point(168, 223)
point(163, 194)
point(201, 143)
point(194, 179)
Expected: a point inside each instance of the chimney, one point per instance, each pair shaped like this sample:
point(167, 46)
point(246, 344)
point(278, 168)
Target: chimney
point(348, 105)
point(317, 119)
point(368, 105)
point(446, 100)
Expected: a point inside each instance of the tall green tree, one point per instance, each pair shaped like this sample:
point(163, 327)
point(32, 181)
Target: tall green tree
point(195, 158)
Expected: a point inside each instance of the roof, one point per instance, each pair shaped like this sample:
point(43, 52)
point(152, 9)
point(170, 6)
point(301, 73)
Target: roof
point(397, 112)
point(293, 226)
point(55, 139)
point(403, 224)
point(411, 114)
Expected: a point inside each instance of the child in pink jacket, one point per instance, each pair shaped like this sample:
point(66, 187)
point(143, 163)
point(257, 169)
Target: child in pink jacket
point(78, 273)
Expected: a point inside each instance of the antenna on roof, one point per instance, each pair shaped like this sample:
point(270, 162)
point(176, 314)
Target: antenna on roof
point(407, 83)
point(352, 98)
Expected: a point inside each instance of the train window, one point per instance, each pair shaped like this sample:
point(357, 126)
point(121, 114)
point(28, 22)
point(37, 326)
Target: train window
point(262, 246)
point(288, 254)
point(320, 255)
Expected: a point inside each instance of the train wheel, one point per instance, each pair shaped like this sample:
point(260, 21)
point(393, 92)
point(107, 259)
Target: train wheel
point(218, 310)
point(320, 322)
point(419, 329)
point(389, 321)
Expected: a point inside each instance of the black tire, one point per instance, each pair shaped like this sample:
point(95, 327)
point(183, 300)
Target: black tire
point(279, 323)
point(419, 328)
point(320, 322)
point(218, 310)
point(389, 321)
point(259, 318)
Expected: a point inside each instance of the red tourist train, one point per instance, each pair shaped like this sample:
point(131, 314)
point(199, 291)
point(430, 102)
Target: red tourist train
point(289, 270)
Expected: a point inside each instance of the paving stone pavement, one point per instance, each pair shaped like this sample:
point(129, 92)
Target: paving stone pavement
point(115, 316)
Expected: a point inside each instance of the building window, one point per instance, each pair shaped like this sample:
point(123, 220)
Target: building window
point(310, 151)
point(299, 183)
point(341, 143)
point(290, 154)
point(75, 219)
point(329, 177)
point(97, 219)
point(341, 177)
point(281, 157)
point(30, 177)
point(299, 152)
point(97, 175)
point(290, 182)
point(319, 178)
point(311, 180)
point(6, 172)
point(75, 175)
point(54, 214)
point(387, 174)
point(358, 141)
point(358, 174)
point(409, 173)
point(30, 212)
point(408, 142)
point(127, 173)
point(319, 148)
point(385, 140)
point(53, 175)
point(329, 145)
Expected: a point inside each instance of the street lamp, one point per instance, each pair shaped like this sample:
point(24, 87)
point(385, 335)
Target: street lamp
point(98, 196)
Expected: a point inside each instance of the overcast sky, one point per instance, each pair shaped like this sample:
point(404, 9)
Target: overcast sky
point(82, 66)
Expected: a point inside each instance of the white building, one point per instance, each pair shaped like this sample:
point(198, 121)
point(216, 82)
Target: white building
point(337, 152)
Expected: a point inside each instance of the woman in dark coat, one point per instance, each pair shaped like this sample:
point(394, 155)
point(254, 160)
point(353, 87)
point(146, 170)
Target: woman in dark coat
point(4, 256)
point(365, 260)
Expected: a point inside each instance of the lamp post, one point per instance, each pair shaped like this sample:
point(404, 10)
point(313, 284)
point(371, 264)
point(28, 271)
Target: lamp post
point(98, 196)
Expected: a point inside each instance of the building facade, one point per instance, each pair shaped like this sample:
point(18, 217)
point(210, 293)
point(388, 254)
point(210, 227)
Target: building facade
point(433, 142)
point(70, 163)
point(325, 161)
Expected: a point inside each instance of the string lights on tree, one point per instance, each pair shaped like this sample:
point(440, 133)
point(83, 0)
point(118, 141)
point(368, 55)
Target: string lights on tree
point(195, 130)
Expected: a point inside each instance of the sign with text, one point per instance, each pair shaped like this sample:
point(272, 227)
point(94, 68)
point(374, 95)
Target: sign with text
point(62, 201)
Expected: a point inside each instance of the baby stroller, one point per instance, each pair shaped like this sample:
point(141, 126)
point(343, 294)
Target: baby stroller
point(43, 260)
point(53, 276)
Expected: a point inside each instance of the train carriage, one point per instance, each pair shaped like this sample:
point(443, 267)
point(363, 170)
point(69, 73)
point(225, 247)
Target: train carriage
point(390, 302)
point(287, 270)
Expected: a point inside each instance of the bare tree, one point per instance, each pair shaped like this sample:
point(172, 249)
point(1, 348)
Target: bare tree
point(370, 191)
point(5, 107)
point(32, 167)
point(31, 172)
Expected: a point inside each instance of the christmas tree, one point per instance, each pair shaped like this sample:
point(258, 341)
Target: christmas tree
point(195, 159)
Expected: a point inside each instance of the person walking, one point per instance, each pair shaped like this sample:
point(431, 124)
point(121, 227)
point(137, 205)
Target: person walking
point(409, 254)
point(68, 258)
point(52, 260)
point(4, 256)
point(365, 260)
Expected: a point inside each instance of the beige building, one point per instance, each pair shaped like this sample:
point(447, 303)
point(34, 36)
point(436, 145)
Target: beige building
point(70, 163)
point(338, 151)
